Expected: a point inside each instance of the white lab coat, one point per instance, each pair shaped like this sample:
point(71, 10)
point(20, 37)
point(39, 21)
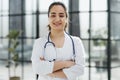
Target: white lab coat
point(65, 53)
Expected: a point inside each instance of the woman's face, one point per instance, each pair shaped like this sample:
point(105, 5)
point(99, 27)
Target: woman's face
point(57, 18)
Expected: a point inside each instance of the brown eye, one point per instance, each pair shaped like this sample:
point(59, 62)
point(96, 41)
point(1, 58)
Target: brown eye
point(61, 16)
point(52, 16)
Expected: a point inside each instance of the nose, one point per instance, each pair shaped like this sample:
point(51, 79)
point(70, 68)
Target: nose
point(57, 18)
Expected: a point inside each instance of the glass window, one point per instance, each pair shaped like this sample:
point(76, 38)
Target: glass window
point(99, 25)
point(30, 25)
point(29, 5)
point(98, 73)
point(115, 5)
point(115, 53)
point(3, 48)
point(85, 43)
point(0, 7)
point(28, 45)
point(43, 24)
point(3, 70)
point(4, 26)
point(84, 25)
point(44, 4)
point(5, 7)
point(84, 5)
point(115, 73)
point(98, 5)
point(115, 25)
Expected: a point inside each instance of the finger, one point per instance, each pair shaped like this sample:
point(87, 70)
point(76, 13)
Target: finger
point(42, 58)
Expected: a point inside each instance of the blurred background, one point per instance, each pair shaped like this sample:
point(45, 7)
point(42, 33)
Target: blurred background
point(96, 22)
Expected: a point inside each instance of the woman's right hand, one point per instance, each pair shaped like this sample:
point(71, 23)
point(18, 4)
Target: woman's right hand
point(58, 65)
point(69, 63)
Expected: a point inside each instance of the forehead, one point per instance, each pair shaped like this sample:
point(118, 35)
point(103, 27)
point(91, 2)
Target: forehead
point(57, 9)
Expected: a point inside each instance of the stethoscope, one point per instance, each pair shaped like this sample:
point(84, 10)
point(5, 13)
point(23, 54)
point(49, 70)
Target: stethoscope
point(50, 42)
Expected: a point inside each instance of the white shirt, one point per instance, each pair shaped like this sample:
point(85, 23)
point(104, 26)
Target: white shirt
point(65, 53)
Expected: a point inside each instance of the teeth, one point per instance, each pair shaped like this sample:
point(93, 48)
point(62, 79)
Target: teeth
point(57, 24)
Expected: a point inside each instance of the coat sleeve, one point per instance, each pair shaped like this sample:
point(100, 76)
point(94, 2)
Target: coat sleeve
point(40, 66)
point(77, 70)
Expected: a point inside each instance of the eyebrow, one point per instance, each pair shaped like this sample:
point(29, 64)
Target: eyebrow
point(55, 13)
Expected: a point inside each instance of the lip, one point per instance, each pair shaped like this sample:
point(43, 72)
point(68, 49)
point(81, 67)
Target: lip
point(57, 24)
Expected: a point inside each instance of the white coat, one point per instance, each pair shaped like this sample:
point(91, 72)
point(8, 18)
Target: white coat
point(65, 53)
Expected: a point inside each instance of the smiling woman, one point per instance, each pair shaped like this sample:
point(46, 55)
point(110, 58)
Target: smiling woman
point(57, 17)
point(58, 55)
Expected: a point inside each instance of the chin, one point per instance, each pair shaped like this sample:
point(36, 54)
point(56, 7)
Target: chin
point(58, 29)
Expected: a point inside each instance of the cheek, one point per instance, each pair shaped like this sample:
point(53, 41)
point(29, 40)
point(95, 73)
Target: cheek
point(65, 21)
point(49, 21)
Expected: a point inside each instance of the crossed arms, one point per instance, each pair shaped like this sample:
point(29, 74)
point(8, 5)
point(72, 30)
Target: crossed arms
point(58, 66)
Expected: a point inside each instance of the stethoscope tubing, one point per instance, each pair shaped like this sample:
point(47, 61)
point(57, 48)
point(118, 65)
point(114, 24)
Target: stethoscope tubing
point(48, 41)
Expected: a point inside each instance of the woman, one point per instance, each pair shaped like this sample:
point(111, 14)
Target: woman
point(58, 56)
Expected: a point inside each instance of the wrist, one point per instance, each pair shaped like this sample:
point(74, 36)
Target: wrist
point(64, 64)
point(53, 76)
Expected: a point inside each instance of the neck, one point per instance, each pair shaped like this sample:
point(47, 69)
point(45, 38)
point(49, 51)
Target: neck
point(57, 38)
point(57, 34)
